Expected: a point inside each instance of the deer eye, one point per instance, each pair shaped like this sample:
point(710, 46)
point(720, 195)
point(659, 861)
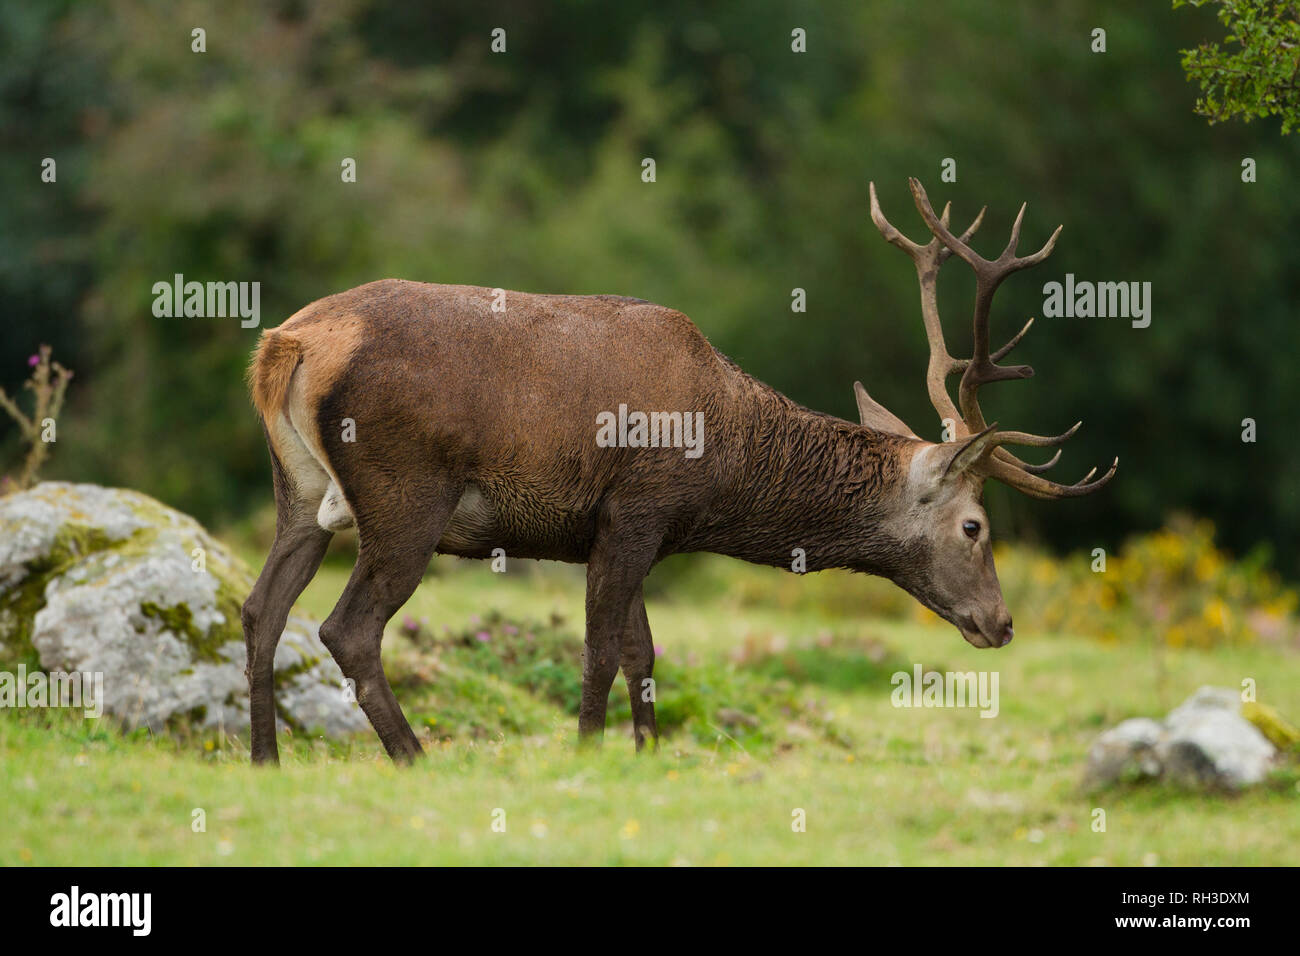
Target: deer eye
point(972, 529)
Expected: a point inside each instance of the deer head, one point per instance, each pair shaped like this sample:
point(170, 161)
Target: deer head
point(943, 499)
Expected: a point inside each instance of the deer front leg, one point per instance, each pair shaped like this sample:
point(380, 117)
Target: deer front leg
point(638, 663)
point(615, 569)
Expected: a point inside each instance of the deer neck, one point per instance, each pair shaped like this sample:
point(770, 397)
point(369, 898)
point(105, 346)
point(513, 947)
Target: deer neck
point(799, 483)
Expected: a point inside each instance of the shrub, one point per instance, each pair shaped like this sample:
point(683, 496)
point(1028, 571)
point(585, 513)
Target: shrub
point(1172, 585)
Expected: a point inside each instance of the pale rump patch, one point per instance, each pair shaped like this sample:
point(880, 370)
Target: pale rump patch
point(305, 474)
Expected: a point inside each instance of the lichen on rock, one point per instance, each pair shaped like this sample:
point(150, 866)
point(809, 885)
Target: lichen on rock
point(111, 581)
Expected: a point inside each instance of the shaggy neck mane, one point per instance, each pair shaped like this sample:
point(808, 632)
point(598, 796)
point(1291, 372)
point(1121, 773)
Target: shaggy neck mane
point(791, 477)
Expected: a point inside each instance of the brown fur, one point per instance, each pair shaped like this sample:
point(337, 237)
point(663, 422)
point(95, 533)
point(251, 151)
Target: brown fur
point(509, 402)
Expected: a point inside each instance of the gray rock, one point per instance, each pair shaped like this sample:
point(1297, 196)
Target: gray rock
point(1128, 749)
point(1213, 745)
point(1203, 742)
point(1205, 699)
point(110, 581)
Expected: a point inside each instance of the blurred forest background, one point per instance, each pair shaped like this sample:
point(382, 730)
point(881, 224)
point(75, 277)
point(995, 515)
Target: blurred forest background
point(523, 170)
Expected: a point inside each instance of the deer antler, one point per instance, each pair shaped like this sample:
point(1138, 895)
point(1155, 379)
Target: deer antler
point(928, 259)
point(981, 368)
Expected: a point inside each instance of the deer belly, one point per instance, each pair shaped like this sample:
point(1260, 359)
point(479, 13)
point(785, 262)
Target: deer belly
point(522, 523)
point(472, 524)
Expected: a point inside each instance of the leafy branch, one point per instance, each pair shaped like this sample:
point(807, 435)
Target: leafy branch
point(1258, 78)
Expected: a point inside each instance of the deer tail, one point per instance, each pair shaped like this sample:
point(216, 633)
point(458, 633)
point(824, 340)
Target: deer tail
point(276, 358)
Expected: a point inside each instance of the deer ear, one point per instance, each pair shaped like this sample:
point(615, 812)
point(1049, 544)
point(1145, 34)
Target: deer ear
point(874, 415)
point(967, 452)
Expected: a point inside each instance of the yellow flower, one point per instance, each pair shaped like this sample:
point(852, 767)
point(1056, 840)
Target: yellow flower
point(1215, 614)
point(1207, 566)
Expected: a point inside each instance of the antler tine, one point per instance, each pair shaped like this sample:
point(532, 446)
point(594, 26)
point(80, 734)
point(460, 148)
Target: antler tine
point(1015, 340)
point(1035, 441)
point(1038, 441)
point(944, 250)
point(1026, 466)
point(1037, 487)
point(1010, 262)
point(887, 228)
point(914, 249)
point(959, 365)
point(1014, 241)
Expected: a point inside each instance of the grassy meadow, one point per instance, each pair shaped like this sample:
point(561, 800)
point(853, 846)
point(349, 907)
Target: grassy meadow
point(774, 694)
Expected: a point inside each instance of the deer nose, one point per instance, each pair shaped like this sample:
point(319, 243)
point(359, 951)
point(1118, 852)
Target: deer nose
point(1008, 632)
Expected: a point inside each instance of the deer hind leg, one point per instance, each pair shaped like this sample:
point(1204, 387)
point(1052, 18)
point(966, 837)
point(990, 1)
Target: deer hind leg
point(396, 546)
point(295, 556)
point(637, 660)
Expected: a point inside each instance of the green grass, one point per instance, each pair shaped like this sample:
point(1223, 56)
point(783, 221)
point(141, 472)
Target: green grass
point(878, 784)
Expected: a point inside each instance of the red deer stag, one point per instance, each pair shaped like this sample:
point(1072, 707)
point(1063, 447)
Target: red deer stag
point(437, 423)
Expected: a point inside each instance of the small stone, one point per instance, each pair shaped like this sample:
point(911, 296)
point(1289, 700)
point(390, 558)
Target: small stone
point(1126, 750)
point(1205, 742)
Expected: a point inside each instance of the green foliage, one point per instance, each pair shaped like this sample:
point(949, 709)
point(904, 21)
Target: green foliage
point(497, 676)
point(1255, 72)
point(836, 661)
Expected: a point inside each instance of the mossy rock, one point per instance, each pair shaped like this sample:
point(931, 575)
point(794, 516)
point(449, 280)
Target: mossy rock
point(110, 581)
